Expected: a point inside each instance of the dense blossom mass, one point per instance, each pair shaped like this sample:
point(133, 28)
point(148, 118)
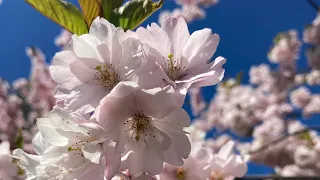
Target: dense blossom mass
point(118, 105)
point(109, 106)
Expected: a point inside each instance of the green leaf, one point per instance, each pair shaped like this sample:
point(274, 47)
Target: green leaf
point(133, 13)
point(63, 13)
point(91, 9)
point(305, 135)
point(239, 78)
point(109, 5)
point(19, 140)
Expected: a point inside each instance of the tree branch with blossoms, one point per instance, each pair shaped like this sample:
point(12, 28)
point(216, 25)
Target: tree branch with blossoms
point(109, 105)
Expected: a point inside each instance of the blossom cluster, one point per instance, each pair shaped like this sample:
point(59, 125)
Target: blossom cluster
point(190, 10)
point(118, 107)
point(24, 101)
point(269, 108)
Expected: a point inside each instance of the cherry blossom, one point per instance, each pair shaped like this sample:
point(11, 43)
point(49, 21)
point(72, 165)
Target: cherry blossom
point(94, 64)
point(286, 48)
point(147, 132)
point(183, 58)
point(311, 33)
point(8, 170)
point(195, 167)
point(300, 97)
point(77, 149)
point(225, 164)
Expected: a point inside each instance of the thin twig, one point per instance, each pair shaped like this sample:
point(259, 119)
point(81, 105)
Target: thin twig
point(313, 4)
point(281, 138)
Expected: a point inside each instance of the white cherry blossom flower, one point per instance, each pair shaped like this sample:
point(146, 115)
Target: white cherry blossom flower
point(300, 97)
point(225, 164)
point(69, 148)
point(311, 34)
point(147, 126)
point(8, 170)
point(94, 63)
point(286, 48)
point(195, 167)
point(183, 59)
point(313, 107)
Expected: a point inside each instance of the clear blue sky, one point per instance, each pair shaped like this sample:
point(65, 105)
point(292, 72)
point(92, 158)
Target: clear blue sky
point(246, 29)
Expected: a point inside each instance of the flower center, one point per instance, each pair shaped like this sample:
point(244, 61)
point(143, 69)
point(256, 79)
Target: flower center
point(140, 126)
point(174, 68)
point(181, 174)
point(216, 176)
point(107, 76)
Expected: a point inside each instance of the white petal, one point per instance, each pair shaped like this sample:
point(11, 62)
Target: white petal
point(213, 76)
point(149, 101)
point(200, 48)
point(95, 131)
point(92, 152)
point(156, 38)
point(113, 161)
point(82, 72)
point(60, 70)
point(86, 97)
point(99, 29)
point(226, 150)
point(178, 33)
point(131, 60)
point(49, 131)
point(39, 144)
point(86, 52)
point(26, 161)
point(178, 117)
point(234, 167)
point(4, 148)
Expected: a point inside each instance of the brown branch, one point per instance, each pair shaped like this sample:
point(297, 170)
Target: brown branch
point(281, 138)
point(313, 4)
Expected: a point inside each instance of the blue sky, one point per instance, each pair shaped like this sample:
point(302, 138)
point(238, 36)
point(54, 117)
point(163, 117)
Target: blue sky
point(246, 29)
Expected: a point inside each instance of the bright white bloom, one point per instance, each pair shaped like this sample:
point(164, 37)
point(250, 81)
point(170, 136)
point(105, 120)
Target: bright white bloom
point(94, 63)
point(196, 167)
point(294, 170)
point(286, 48)
point(299, 79)
point(182, 58)
point(311, 33)
point(147, 125)
point(300, 97)
point(195, 133)
point(127, 177)
point(269, 130)
point(175, 13)
point(71, 148)
point(63, 39)
point(8, 170)
point(305, 156)
point(225, 164)
point(313, 56)
point(259, 74)
point(186, 2)
point(197, 102)
point(208, 2)
point(313, 78)
point(313, 107)
point(188, 13)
